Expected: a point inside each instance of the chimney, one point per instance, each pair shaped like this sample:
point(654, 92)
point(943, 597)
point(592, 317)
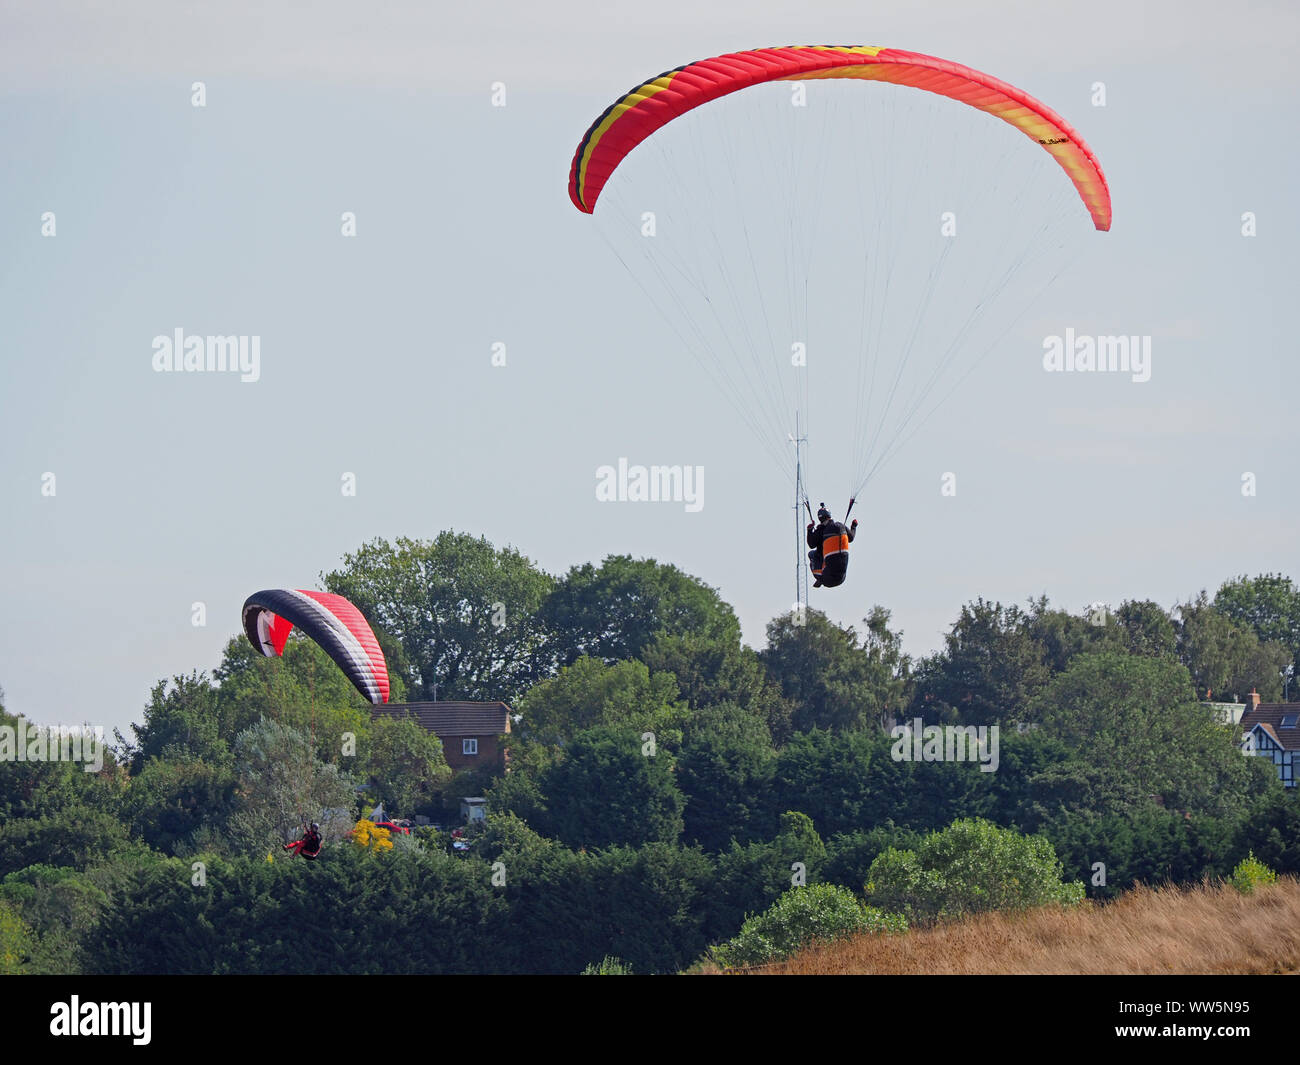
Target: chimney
point(1253, 700)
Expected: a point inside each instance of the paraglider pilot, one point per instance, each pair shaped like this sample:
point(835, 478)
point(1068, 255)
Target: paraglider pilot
point(310, 844)
point(829, 540)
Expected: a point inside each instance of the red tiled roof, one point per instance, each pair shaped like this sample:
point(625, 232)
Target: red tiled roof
point(452, 718)
point(1269, 716)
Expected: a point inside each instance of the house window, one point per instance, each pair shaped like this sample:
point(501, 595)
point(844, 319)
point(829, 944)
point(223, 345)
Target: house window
point(469, 746)
point(1289, 720)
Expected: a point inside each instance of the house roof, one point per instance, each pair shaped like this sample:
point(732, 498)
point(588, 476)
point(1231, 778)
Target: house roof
point(1269, 717)
point(452, 718)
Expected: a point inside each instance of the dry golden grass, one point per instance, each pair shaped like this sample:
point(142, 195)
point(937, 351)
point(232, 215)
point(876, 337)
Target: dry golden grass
point(1207, 929)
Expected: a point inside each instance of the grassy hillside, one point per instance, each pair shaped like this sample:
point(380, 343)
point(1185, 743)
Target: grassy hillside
point(1207, 929)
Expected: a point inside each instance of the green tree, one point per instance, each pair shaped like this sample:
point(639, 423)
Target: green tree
point(890, 670)
point(970, 867)
point(1250, 874)
point(989, 671)
point(61, 907)
point(591, 692)
point(651, 904)
point(849, 854)
point(617, 610)
point(1268, 605)
point(1272, 828)
point(54, 812)
point(403, 912)
point(1022, 786)
point(711, 671)
point(607, 792)
point(750, 878)
point(282, 788)
point(552, 894)
point(181, 719)
point(817, 913)
point(405, 762)
point(844, 781)
point(170, 798)
point(1266, 669)
point(16, 942)
point(1148, 629)
point(519, 793)
point(830, 680)
point(506, 834)
point(302, 689)
point(1135, 720)
point(1062, 635)
point(1146, 843)
point(44, 786)
point(465, 613)
point(725, 770)
point(646, 905)
point(76, 836)
point(1225, 659)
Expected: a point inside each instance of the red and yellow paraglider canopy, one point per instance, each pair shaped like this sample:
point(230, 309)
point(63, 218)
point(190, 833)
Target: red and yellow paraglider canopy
point(653, 104)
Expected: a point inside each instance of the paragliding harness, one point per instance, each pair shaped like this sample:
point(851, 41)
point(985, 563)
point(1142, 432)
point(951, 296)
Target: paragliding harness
point(308, 847)
point(830, 558)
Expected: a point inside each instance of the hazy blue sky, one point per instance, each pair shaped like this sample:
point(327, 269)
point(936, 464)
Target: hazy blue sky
point(376, 350)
